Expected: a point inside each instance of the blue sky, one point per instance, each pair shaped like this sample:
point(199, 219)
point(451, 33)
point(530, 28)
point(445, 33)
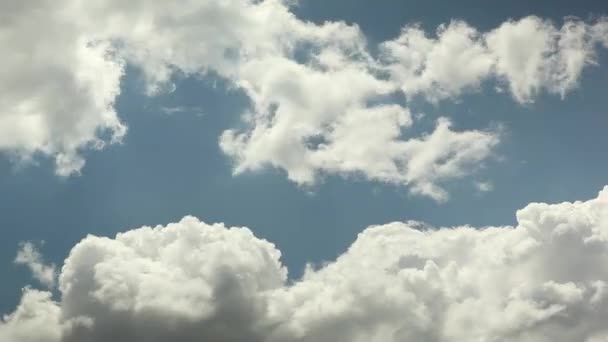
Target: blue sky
point(169, 164)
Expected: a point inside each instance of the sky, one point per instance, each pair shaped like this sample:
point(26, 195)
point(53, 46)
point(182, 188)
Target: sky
point(406, 171)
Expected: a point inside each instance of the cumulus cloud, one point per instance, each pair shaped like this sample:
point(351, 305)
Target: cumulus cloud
point(310, 122)
point(321, 103)
point(529, 55)
point(57, 87)
point(540, 280)
point(61, 77)
point(440, 67)
point(553, 60)
point(37, 319)
point(29, 256)
point(188, 281)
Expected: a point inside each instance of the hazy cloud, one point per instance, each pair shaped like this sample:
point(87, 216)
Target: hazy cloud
point(29, 256)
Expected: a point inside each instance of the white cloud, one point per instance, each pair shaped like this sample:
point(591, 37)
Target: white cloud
point(320, 102)
point(321, 105)
point(188, 281)
point(312, 121)
point(296, 105)
point(444, 155)
point(530, 55)
point(539, 281)
point(29, 256)
point(57, 87)
point(441, 67)
point(60, 104)
point(553, 58)
point(37, 319)
point(599, 31)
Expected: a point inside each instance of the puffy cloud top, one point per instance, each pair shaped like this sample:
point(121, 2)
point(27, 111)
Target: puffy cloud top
point(541, 280)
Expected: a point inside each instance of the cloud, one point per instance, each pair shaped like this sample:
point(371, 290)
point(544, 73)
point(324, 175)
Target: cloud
point(484, 186)
point(37, 319)
point(59, 105)
point(198, 111)
point(529, 55)
point(29, 256)
point(188, 281)
point(57, 87)
point(339, 119)
point(321, 102)
point(553, 60)
point(441, 67)
point(444, 155)
point(403, 281)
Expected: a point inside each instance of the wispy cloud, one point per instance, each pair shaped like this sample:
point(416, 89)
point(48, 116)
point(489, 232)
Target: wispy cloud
point(28, 255)
point(191, 110)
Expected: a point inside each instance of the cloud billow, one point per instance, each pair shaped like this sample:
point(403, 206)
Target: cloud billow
point(189, 281)
point(305, 81)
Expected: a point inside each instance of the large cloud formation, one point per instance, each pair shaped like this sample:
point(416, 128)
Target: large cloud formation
point(321, 103)
point(542, 280)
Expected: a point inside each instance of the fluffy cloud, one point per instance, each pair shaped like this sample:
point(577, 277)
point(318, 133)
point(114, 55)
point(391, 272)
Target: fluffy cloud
point(310, 122)
point(541, 280)
point(337, 115)
point(57, 86)
point(60, 78)
point(529, 55)
point(440, 67)
point(553, 60)
point(37, 319)
point(184, 282)
point(321, 103)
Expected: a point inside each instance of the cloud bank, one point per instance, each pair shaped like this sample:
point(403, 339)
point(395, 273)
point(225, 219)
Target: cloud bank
point(541, 280)
point(321, 103)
